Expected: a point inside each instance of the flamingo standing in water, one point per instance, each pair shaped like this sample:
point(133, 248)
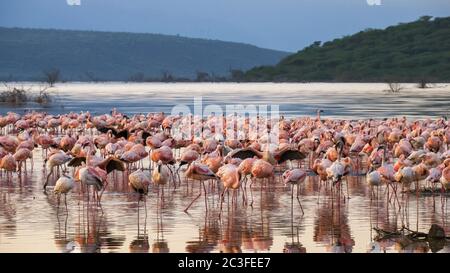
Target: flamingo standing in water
point(9, 164)
point(187, 157)
point(445, 178)
point(91, 176)
point(339, 168)
point(263, 170)
point(63, 186)
point(139, 181)
point(165, 155)
point(161, 176)
point(405, 176)
point(245, 168)
point(373, 179)
point(21, 155)
point(200, 172)
point(231, 178)
point(56, 160)
point(295, 177)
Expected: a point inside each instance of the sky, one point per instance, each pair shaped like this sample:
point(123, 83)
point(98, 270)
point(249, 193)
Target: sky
point(287, 25)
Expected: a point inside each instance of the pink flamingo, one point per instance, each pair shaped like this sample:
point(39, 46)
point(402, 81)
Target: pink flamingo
point(200, 172)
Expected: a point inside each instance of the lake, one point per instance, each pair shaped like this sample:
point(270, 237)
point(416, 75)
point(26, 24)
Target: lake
point(345, 100)
point(32, 222)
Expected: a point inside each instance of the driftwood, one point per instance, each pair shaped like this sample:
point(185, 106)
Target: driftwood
point(436, 232)
point(429, 191)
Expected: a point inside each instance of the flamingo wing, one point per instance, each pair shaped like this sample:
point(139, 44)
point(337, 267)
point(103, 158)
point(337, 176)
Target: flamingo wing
point(98, 173)
point(244, 153)
point(290, 155)
point(124, 133)
point(114, 164)
point(204, 170)
point(76, 161)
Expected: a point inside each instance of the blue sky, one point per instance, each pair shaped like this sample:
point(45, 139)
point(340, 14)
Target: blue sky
point(278, 24)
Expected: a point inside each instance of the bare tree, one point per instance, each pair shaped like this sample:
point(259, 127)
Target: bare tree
point(237, 75)
point(52, 76)
point(14, 95)
point(423, 83)
point(394, 87)
point(167, 76)
point(43, 97)
point(202, 77)
point(91, 76)
point(17, 95)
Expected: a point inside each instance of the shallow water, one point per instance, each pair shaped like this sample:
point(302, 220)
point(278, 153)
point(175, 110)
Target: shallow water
point(347, 100)
point(32, 222)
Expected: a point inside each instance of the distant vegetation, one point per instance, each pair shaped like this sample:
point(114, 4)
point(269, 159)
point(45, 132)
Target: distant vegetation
point(52, 76)
point(14, 94)
point(413, 52)
point(65, 55)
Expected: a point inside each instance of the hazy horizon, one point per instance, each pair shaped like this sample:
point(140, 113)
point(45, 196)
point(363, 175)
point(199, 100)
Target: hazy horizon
point(287, 25)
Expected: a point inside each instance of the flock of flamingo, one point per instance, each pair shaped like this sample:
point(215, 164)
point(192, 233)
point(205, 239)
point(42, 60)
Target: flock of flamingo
point(152, 151)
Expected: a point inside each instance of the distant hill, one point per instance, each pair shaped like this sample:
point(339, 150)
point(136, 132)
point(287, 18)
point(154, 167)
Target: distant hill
point(405, 52)
point(88, 55)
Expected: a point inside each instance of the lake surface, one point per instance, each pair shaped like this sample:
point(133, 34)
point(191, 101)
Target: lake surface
point(32, 222)
point(354, 100)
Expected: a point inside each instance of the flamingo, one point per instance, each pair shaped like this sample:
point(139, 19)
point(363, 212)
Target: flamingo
point(9, 164)
point(9, 143)
point(91, 176)
point(245, 167)
point(139, 181)
point(373, 179)
point(231, 178)
point(57, 159)
point(161, 176)
point(188, 156)
point(295, 177)
point(405, 176)
point(445, 178)
point(200, 172)
point(63, 185)
point(21, 156)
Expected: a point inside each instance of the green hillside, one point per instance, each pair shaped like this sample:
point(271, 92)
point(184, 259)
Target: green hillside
point(405, 52)
point(87, 55)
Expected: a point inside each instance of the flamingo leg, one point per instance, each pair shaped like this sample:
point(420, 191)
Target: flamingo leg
point(221, 201)
point(251, 193)
point(65, 202)
point(298, 198)
point(57, 206)
point(206, 195)
point(198, 196)
point(48, 176)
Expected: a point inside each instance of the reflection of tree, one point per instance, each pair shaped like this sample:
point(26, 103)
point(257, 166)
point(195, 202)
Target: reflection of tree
point(331, 226)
